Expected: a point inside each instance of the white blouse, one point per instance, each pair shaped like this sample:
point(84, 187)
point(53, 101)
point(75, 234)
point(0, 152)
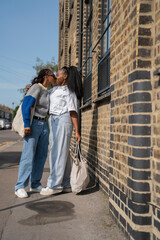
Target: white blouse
point(62, 100)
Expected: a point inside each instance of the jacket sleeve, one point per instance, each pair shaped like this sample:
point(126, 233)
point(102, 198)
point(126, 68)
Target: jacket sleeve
point(28, 102)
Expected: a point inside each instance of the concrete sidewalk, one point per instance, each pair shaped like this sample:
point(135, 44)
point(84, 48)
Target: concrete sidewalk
point(58, 217)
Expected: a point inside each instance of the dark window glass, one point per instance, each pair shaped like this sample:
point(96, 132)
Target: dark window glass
point(88, 78)
point(106, 22)
point(89, 38)
point(104, 63)
point(71, 4)
point(70, 56)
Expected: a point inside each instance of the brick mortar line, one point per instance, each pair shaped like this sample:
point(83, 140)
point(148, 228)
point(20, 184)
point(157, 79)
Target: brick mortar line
point(105, 183)
point(128, 220)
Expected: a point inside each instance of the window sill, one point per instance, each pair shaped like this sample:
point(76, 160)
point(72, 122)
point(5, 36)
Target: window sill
point(103, 97)
point(88, 104)
point(157, 72)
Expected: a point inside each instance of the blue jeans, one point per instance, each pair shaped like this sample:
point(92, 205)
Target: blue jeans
point(59, 159)
point(34, 155)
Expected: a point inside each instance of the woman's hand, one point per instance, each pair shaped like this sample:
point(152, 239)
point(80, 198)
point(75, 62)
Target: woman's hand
point(28, 87)
point(27, 131)
point(78, 137)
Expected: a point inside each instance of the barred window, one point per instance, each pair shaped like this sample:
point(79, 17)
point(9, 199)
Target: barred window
point(89, 38)
point(62, 29)
point(88, 78)
point(70, 56)
point(62, 38)
point(104, 63)
point(106, 23)
point(71, 5)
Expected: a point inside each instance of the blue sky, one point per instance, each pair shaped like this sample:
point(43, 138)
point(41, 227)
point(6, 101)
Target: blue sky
point(28, 29)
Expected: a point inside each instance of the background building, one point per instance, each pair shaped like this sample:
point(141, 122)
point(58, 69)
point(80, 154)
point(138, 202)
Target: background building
point(6, 113)
point(116, 46)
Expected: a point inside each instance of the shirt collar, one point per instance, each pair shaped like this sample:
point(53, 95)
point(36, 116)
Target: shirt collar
point(42, 86)
point(63, 87)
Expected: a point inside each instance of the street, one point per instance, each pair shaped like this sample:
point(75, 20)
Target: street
point(58, 217)
point(8, 136)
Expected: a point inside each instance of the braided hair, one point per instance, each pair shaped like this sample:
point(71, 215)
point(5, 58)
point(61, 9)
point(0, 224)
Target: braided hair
point(74, 80)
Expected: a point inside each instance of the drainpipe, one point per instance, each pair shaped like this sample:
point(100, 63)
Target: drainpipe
point(80, 56)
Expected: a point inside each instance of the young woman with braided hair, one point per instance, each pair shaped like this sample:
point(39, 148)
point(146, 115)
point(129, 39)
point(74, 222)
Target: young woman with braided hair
point(63, 116)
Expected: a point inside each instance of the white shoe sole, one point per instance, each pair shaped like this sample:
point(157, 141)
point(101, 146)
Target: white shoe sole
point(20, 196)
point(55, 191)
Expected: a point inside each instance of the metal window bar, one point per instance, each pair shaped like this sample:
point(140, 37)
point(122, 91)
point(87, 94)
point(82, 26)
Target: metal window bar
point(104, 73)
point(70, 56)
point(84, 64)
point(104, 63)
point(101, 35)
point(88, 62)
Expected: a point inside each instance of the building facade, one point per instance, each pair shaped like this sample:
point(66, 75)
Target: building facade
point(6, 113)
point(116, 47)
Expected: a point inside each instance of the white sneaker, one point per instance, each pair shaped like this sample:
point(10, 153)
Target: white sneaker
point(50, 191)
point(21, 193)
point(37, 189)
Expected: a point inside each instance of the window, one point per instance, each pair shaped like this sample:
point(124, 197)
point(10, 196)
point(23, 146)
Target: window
point(89, 38)
point(106, 25)
point(88, 78)
point(70, 56)
point(62, 37)
point(71, 4)
point(104, 63)
point(62, 31)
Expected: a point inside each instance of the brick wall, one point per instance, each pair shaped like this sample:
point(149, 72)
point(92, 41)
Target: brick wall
point(95, 118)
point(156, 123)
point(68, 34)
point(131, 63)
point(63, 33)
point(120, 134)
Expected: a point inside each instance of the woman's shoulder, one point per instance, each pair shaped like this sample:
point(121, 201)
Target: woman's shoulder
point(34, 88)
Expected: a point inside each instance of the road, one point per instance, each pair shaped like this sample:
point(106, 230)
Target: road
point(58, 217)
point(8, 137)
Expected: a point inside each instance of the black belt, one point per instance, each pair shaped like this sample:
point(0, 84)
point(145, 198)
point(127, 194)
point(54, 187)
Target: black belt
point(39, 118)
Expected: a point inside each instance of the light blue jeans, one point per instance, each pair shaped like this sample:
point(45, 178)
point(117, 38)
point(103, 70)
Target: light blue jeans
point(59, 158)
point(34, 155)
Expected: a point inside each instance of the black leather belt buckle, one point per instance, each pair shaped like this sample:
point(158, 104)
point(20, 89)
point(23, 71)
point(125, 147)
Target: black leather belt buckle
point(39, 118)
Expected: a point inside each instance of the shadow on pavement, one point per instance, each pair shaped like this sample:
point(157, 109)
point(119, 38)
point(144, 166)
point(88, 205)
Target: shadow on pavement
point(9, 159)
point(24, 203)
point(49, 212)
point(89, 190)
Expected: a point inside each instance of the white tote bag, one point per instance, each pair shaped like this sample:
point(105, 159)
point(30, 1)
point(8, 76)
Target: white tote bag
point(79, 173)
point(18, 124)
